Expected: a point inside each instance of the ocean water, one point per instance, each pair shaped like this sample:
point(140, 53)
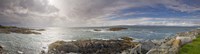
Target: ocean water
point(34, 44)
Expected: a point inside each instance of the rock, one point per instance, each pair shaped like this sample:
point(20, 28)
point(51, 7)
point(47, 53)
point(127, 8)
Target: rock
point(40, 30)
point(185, 40)
point(136, 50)
point(42, 52)
point(97, 30)
point(1, 49)
point(172, 46)
point(13, 29)
point(91, 46)
point(62, 46)
point(117, 29)
point(169, 47)
point(44, 48)
point(175, 46)
point(127, 38)
point(159, 50)
point(148, 45)
point(20, 52)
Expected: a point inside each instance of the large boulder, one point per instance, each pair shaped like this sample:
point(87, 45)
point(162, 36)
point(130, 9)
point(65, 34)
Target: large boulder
point(147, 45)
point(185, 40)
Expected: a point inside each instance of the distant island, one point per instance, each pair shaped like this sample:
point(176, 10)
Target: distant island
point(113, 29)
point(117, 29)
point(14, 29)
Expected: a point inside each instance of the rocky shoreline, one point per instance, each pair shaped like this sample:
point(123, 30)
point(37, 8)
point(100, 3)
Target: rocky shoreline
point(13, 29)
point(124, 45)
point(172, 45)
point(168, 46)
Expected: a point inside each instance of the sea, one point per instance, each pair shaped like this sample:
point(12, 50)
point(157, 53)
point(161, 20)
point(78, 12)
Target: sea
point(33, 44)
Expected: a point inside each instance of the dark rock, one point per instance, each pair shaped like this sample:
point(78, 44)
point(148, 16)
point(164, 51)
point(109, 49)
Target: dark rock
point(127, 38)
point(42, 52)
point(1, 49)
point(61, 46)
point(117, 29)
point(97, 30)
point(91, 46)
point(13, 29)
point(40, 30)
point(147, 45)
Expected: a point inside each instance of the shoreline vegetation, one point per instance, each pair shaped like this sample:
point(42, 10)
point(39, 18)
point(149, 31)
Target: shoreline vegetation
point(13, 29)
point(191, 48)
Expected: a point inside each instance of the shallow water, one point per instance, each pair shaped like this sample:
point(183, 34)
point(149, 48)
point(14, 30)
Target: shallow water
point(33, 44)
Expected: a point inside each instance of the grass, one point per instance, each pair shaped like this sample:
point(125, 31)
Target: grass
point(191, 48)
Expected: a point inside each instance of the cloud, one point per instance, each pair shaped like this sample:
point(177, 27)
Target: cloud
point(80, 12)
point(26, 6)
point(26, 12)
point(156, 21)
point(179, 5)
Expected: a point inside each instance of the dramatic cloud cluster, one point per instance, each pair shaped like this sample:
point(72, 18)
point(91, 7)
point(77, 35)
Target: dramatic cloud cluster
point(86, 12)
point(26, 12)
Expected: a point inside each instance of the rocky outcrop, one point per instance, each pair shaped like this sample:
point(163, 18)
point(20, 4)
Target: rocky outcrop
point(40, 29)
point(124, 45)
point(95, 46)
point(136, 50)
point(62, 47)
point(172, 45)
point(13, 29)
point(147, 45)
point(117, 29)
point(1, 49)
point(97, 30)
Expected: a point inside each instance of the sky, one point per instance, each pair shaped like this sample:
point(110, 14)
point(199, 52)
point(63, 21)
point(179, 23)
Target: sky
point(75, 13)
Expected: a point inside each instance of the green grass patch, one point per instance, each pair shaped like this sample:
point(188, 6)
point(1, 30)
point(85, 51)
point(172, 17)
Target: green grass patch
point(191, 48)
